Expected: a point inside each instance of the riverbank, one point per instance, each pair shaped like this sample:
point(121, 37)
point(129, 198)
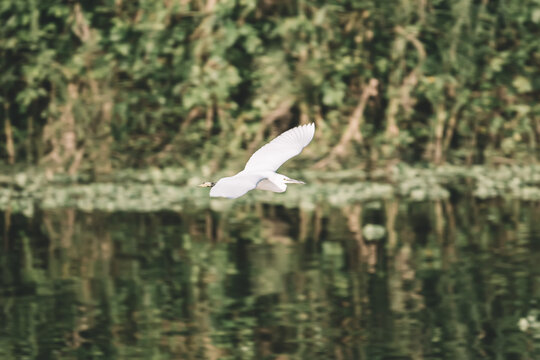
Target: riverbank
point(174, 188)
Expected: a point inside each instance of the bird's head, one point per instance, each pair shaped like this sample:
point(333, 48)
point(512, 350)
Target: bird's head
point(207, 184)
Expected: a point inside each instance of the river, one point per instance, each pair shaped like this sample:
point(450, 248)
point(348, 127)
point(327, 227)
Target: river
point(457, 278)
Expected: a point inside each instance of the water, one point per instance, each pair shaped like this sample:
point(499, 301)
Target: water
point(447, 280)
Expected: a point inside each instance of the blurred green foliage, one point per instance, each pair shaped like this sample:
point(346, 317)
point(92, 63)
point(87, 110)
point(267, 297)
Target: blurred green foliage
point(92, 86)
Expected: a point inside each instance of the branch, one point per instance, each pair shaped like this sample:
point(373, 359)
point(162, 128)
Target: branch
point(353, 129)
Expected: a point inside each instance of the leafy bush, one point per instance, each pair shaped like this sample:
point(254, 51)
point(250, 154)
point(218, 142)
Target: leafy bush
point(102, 85)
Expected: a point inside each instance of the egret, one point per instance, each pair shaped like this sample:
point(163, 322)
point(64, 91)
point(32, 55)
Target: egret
point(260, 170)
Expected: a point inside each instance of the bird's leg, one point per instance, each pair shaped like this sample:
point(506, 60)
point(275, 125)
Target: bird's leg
point(293, 181)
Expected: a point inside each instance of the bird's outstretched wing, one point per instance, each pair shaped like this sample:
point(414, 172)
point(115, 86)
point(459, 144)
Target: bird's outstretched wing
point(235, 186)
point(272, 155)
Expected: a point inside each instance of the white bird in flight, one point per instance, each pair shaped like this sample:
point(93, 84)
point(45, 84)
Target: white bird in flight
point(260, 171)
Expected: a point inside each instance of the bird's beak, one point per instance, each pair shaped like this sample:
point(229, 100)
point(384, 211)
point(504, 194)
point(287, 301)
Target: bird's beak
point(292, 181)
point(206, 184)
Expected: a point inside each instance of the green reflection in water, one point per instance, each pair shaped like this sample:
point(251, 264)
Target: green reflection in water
point(441, 280)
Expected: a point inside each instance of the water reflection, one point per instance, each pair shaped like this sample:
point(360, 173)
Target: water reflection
point(448, 280)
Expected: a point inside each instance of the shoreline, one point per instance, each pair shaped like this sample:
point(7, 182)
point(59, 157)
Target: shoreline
point(175, 188)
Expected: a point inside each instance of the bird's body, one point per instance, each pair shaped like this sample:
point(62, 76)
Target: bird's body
point(260, 170)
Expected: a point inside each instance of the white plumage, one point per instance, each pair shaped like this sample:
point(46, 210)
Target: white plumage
point(260, 170)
